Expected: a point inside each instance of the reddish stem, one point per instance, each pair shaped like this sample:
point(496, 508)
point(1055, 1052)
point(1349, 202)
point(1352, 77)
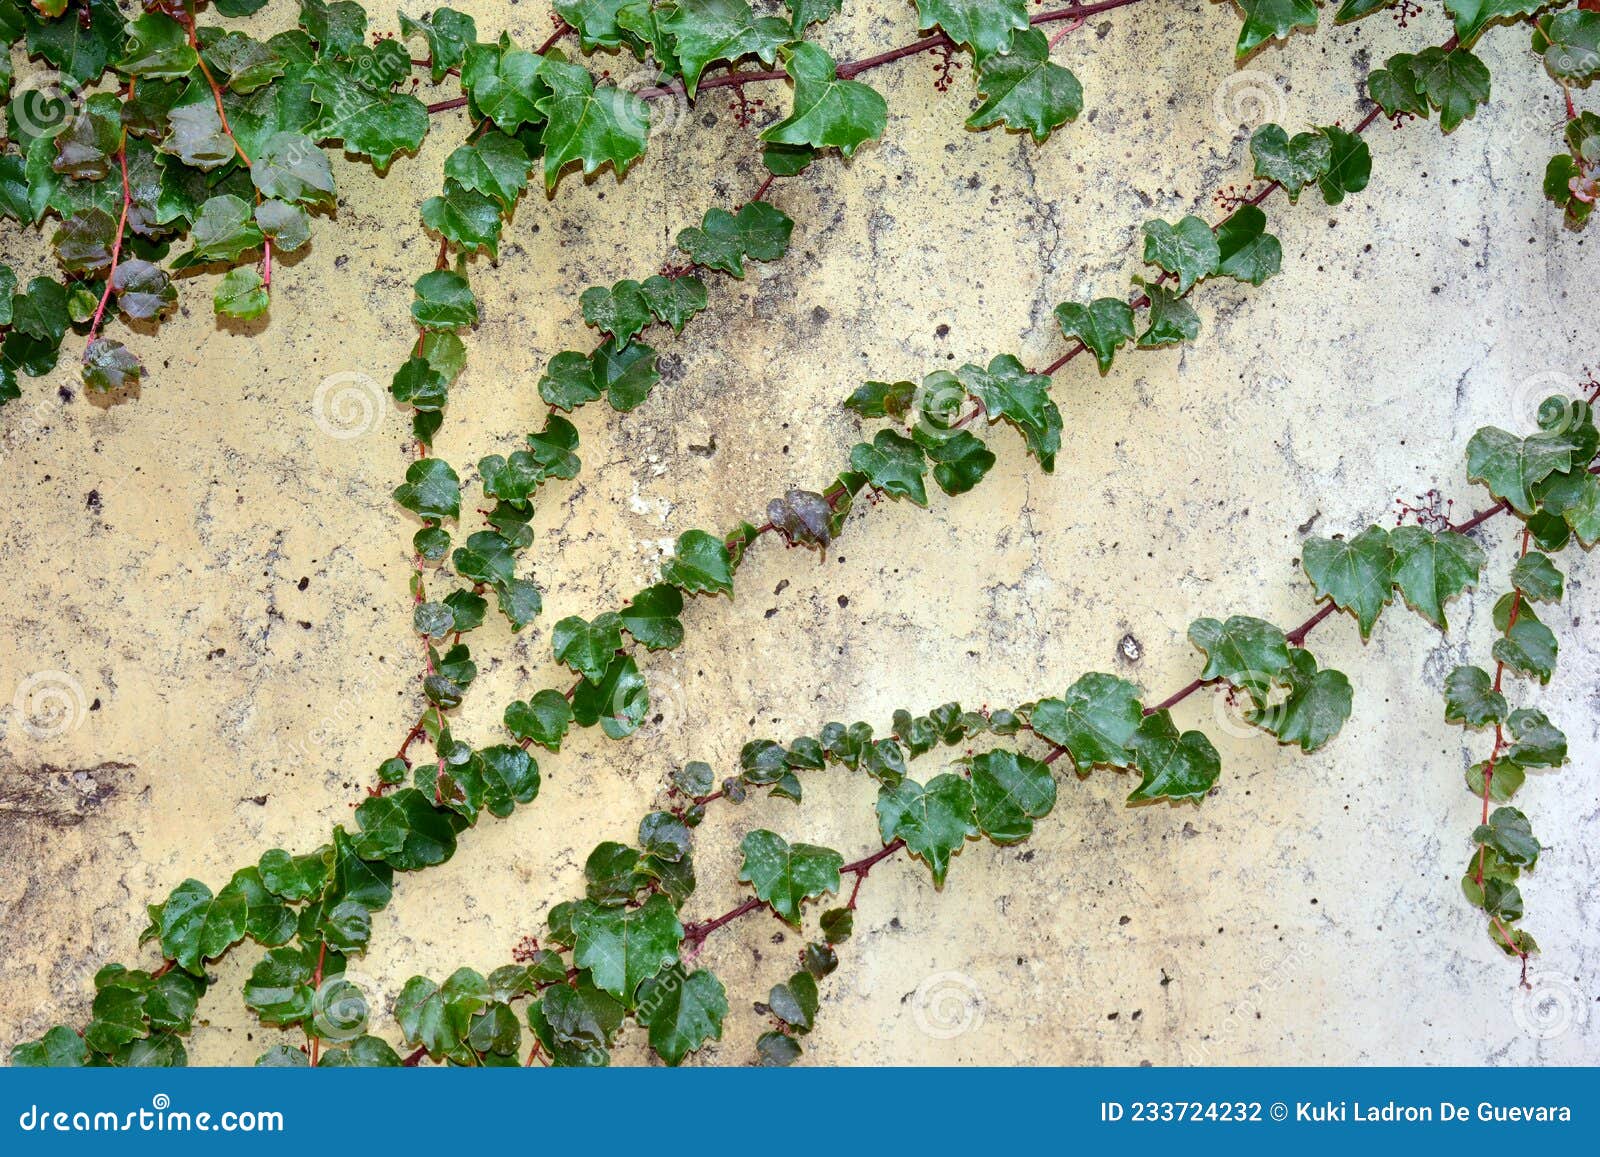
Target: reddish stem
point(116, 246)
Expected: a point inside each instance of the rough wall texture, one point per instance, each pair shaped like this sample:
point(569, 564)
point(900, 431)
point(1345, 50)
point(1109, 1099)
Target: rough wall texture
point(227, 584)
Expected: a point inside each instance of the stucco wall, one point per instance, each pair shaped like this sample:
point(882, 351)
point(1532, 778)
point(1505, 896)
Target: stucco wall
point(227, 583)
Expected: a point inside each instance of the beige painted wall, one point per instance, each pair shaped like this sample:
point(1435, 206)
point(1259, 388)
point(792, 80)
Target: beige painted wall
point(154, 552)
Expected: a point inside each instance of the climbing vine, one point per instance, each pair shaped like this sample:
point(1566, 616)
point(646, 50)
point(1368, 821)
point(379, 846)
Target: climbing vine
point(164, 146)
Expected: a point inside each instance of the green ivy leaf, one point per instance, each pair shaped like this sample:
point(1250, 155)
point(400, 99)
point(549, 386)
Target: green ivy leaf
point(617, 701)
point(544, 719)
point(623, 947)
point(1095, 721)
point(405, 830)
point(1315, 709)
point(495, 165)
point(292, 168)
point(109, 365)
point(786, 875)
point(339, 28)
point(1570, 43)
point(651, 617)
point(1188, 249)
point(60, 1048)
point(1173, 766)
point(1455, 82)
point(1358, 574)
point(1432, 567)
point(700, 565)
point(1006, 390)
point(1266, 20)
point(1528, 646)
point(725, 239)
point(504, 84)
point(828, 112)
point(796, 1001)
point(369, 121)
point(586, 647)
point(934, 820)
point(674, 300)
point(157, 48)
point(620, 310)
point(242, 294)
point(627, 373)
point(706, 31)
point(960, 460)
point(444, 300)
point(893, 464)
point(1396, 88)
point(1010, 791)
point(1349, 164)
point(1510, 836)
point(431, 489)
point(287, 225)
point(1024, 89)
point(1511, 466)
point(1246, 652)
point(294, 877)
point(1172, 319)
point(1473, 16)
point(224, 230)
point(682, 1012)
point(805, 13)
point(448, 34)
point(1470, 698)
point(985, 26)
point(196, 925)
point(1539, 743)
point(279, 988)
point(1102, 326)
point(1293, 162)
point(1538, 578)
point(1247, 252)
point(465, 217)
point(595, 126)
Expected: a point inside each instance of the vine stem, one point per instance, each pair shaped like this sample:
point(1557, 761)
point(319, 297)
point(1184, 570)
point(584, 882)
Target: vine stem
point(116, 246)
point(847, 70)
point(695, 934)
point(316, 983)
